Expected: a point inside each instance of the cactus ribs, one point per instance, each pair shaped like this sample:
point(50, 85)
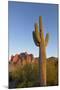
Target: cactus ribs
point(41, 42)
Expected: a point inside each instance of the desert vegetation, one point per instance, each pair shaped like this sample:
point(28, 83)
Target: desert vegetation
point(27, 75)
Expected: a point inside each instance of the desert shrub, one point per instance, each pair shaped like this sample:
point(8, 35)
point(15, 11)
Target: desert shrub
point(52, 73)
point(25, 84)
point(30, 76)
point(27, 75)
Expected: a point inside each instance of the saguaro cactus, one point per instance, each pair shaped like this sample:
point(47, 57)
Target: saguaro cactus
point(41, 42)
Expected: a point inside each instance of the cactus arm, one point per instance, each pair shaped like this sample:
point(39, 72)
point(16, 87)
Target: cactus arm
point(40, 24)
point(35, 40)
point(37, 34)
point(46, 39)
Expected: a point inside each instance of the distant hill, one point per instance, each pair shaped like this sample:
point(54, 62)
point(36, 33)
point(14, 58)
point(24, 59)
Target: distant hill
point(52, 58)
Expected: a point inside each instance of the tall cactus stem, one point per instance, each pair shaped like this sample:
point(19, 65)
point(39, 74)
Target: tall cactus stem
point(41, 42)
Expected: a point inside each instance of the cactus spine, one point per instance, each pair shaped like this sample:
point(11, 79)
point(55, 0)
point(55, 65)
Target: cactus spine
point(41, 42)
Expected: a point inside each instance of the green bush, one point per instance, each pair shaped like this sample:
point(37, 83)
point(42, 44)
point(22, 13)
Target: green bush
point(52, 73)
point(27, 75)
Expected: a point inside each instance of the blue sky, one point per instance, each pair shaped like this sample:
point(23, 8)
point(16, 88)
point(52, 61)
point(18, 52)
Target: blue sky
point(21, 20)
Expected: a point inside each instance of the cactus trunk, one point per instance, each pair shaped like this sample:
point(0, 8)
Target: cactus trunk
point(42, 66)
point(42, 55)
point(41, 42)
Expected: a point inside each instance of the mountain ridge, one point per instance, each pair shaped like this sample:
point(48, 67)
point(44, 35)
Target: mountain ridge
point(24, 56)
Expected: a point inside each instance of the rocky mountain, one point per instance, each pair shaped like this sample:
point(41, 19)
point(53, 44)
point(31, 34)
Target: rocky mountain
point(23, 58)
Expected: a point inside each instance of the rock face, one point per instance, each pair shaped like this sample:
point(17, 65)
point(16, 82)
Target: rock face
point(22, 58)
point(16, 58)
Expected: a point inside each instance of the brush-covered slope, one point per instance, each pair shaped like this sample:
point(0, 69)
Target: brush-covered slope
point(52, 71)
point(23, 74)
